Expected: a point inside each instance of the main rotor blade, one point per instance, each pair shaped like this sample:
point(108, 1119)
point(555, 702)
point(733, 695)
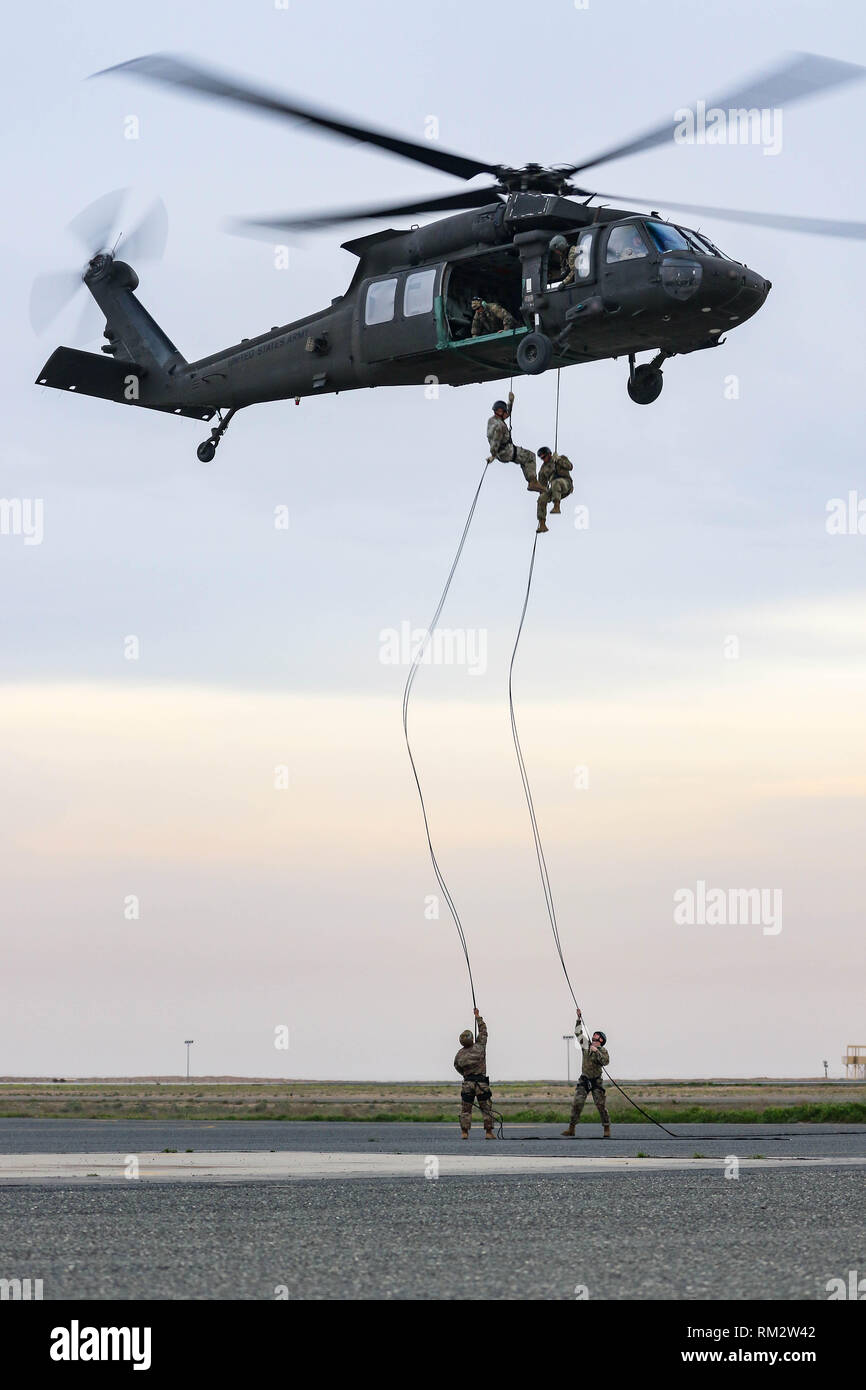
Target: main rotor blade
point(50, 295)
point(476, 198)
point(816, 226)
point(803, 75)
point(176, 72)
point(94, 226)
point(146, 241)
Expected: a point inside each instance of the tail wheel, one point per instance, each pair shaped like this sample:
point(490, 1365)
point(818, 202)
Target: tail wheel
point(206, 451)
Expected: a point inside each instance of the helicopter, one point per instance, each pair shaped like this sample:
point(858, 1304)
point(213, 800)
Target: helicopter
point(639, 282)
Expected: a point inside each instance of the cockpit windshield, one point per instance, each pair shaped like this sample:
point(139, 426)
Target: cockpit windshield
point(666, 237)
point(703, 244)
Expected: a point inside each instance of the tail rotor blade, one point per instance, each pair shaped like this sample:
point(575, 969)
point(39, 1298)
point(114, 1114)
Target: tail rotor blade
point(95, 225)
point(50, 295)
point(146, 241)
point(91, 322)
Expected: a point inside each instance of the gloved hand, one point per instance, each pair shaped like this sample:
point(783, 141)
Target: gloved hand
point(511, 398)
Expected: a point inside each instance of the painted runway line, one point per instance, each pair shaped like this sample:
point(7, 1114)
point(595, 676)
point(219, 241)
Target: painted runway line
point(296, 1165)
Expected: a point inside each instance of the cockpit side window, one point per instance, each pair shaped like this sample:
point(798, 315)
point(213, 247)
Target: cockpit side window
point(583, 259)
point(625, 243)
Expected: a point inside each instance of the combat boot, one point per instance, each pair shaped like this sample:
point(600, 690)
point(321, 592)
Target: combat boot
point(534, 485)
point(568, 1133)
point(488, 1134)
point(464, 1134)
point(555, 510)
point(540, 528)
point(606, 1134)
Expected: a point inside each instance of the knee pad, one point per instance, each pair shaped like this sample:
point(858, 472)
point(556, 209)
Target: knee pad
point(467, 1097)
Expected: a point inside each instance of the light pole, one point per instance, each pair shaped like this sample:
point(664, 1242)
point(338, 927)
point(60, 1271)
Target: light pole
point(188, 1043)
point(567, 1037)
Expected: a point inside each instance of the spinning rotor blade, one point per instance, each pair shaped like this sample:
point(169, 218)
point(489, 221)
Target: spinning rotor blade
point(816, 226)
point(146, 241)
point(49, 296)
point(94, 226)
point(803, 75)
point(477, 198)
point(175, 72)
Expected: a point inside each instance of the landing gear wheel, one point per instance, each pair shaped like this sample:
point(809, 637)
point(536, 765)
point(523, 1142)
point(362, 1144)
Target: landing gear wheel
point(645, 386)
point(534, 354)
point(206, 451)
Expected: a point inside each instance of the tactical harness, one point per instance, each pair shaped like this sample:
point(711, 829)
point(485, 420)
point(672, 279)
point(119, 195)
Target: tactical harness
point(590, 1083)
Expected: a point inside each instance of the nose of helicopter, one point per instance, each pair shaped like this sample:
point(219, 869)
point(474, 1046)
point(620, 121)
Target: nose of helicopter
point(729, 294)
point(741, 292)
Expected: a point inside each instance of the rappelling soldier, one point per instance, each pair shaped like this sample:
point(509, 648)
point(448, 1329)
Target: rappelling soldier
point(489, 318)
point(503, 448)
point(554, 476)
point(471, 1063)
point(589, 1083)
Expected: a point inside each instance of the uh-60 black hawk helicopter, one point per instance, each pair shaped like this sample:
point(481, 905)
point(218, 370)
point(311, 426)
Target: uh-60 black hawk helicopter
point(640, 283)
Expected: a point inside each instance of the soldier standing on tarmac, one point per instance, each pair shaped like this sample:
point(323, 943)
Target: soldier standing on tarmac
point(470, 1062)
point(589, 1083)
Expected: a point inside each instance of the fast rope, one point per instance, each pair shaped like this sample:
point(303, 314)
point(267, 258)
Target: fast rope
point(539, 848)
point(410, 680)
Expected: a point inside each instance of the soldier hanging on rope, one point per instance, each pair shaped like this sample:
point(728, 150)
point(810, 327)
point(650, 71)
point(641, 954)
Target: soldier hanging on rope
point(554, 475)
point(471, 1062)
point(502, 446)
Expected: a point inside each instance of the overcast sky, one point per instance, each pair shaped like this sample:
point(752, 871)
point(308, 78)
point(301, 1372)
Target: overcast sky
point(660, 757)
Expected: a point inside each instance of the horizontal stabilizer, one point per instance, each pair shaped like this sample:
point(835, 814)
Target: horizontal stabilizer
point(91, 374)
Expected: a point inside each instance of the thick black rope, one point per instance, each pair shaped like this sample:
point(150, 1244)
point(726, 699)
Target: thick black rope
point(452, 907)
point(539, 848)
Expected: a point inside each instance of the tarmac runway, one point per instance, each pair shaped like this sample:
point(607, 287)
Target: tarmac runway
point(358, 1211)
point(133, 1136)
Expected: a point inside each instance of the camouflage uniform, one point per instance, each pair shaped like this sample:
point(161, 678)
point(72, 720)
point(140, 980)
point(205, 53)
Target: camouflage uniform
point(501, 447)
point(568, 278)
point(491, 318)
point(554, 475)
point(590, 1080)
point(471, 1063)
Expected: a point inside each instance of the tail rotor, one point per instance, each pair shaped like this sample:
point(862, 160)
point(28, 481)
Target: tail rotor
point(97, 230)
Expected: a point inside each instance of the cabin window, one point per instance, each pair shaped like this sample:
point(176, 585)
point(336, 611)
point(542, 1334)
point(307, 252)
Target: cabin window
point(380, 301)
point(625, 243)
point(583, 259)
point(418, 294)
